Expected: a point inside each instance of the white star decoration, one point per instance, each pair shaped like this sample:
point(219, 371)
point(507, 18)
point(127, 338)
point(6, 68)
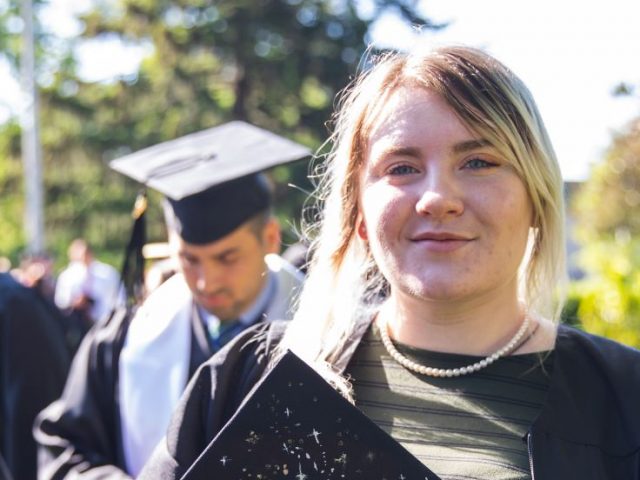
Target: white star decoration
point(315, 435)
point(300, 475)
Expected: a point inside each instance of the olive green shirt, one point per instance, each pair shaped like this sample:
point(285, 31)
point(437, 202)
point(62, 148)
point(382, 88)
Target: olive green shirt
point(468, 427)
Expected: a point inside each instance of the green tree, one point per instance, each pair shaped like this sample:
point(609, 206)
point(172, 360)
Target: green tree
point(48, 54)
point(607, 300)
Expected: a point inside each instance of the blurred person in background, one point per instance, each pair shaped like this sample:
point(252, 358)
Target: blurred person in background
point(34, 360)
point(87, 287)
point(36, 272)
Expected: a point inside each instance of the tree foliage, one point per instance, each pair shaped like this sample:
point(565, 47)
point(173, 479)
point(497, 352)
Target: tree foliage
point(275, 63)
point(11, 25)
point(607, 300)
point(609, 204)
point(12, 238)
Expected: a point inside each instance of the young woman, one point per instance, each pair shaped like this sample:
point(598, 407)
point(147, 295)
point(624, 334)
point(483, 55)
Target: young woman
point(433, 296)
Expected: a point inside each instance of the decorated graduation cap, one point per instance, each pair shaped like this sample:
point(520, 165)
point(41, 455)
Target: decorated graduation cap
point(295, 425)
point(211, 179)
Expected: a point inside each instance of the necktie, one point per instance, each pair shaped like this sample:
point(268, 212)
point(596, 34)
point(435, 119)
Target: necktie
point(222, 333)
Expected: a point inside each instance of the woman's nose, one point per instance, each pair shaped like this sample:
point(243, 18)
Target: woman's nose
point(440, 197)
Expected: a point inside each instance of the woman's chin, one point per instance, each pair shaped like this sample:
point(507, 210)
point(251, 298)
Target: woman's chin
point(435, 291)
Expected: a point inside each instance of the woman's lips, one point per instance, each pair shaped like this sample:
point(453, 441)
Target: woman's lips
point(442, 242)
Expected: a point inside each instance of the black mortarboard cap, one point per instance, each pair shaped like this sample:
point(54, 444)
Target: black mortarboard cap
point(295, 425)
point(211, 178)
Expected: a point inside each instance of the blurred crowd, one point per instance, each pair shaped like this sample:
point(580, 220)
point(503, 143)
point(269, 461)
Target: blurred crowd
point(43, 319)
point(83, 294)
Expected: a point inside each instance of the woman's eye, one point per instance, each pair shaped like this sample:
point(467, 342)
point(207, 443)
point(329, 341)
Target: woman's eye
point(478, 163)
point(402, 170)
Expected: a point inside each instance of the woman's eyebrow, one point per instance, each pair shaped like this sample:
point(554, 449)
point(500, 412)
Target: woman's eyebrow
point(469, 145)
point(408, 151)
point(392, 150)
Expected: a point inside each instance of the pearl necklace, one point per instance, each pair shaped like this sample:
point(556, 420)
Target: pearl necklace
point(451, 372)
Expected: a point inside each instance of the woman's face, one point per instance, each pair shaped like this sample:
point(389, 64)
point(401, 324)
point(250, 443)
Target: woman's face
point(446, 217)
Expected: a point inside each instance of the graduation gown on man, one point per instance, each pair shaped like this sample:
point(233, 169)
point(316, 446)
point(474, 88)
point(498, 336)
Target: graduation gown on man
point(34, 360)
point(81, 434)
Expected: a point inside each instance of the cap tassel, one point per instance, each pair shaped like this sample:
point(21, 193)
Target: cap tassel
point(132, 272)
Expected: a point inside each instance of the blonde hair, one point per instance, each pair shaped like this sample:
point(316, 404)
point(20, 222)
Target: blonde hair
point(344, 283)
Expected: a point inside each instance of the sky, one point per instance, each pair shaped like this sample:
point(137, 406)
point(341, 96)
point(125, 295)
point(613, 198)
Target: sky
point(570, 53)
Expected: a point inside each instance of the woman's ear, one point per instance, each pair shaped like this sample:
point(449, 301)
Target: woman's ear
point(361, 228)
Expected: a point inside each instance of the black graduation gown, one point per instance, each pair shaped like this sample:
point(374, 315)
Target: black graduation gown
point(79, 435)
point(588, 429)
point(4, 470)
point(34, 361)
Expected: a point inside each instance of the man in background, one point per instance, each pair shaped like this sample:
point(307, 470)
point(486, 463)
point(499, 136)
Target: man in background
point(87, 287)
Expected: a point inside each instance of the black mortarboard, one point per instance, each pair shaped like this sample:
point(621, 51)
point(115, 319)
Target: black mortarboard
point(295, 425)
point(211, 178)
